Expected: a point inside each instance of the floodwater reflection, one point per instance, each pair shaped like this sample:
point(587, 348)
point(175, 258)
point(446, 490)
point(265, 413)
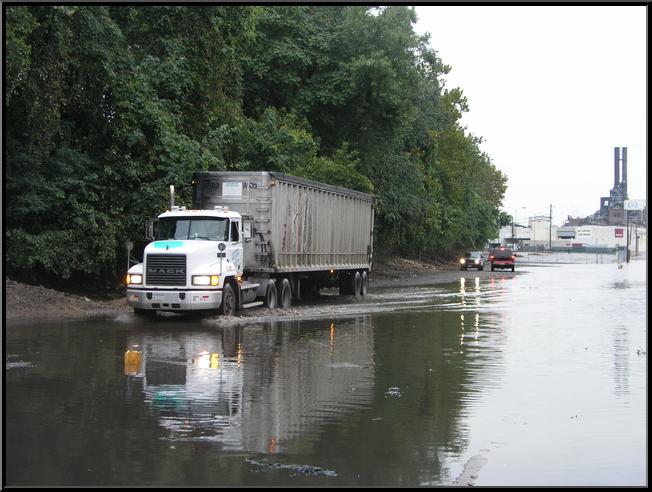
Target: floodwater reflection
point(253, 390)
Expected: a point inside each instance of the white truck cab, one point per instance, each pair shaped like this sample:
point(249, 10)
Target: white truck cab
point(195, 258)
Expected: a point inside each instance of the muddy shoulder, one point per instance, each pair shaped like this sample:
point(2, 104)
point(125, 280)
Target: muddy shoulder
point(25, 303)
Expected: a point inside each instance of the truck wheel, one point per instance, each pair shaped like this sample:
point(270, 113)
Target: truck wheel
point(270, 295)
point(492, 268)
point(365, 283)
point(228, 301)
point(357, 284)
point(512, 268)
point(285, 298)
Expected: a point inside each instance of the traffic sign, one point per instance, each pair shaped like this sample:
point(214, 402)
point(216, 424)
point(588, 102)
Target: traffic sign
point(634, 204)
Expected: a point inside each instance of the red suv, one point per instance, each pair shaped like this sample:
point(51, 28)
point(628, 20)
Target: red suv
point(502, 258)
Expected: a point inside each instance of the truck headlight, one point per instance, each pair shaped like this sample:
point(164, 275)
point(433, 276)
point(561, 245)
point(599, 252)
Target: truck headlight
point(213, 280)
point(134, 278)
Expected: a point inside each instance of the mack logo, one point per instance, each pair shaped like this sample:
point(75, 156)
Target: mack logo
point(170, 271)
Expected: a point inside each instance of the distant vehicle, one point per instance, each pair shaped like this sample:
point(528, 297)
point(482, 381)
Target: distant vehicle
point(502, 258)
point(474, 259)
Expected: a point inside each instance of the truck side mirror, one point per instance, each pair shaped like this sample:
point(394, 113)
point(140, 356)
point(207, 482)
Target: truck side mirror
point(149, 229)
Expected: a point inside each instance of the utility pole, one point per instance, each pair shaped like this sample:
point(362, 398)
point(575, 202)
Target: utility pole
point(627, 251)
point(550, 230)
point(513, 228)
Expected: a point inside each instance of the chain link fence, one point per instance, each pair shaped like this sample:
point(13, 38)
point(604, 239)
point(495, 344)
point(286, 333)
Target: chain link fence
point(605, 255)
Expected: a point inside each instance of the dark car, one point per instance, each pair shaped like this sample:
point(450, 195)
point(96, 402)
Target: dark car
point(474, 259)
point(502, 258)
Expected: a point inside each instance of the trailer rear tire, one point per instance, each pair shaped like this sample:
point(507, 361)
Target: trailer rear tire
point(357, 284)
point(365, 283)
point(271, 296)
point(285, 293)
point(228, 301)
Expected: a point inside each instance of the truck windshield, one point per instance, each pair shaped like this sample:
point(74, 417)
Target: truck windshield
point(211, 229)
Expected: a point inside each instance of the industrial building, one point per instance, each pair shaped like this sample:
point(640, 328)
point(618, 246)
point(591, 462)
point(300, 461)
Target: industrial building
point(539, 236)
point(609, 228)
point(612, 208)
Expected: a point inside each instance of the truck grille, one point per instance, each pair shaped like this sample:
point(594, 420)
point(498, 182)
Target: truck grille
point(165, 270)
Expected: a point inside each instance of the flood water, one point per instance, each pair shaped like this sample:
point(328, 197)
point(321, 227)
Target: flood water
point(533, 378)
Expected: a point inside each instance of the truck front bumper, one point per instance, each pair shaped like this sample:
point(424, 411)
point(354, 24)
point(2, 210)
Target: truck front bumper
point(174, 300)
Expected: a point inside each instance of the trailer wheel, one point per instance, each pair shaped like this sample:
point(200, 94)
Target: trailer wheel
point(365, 283)
point(270, 296)
point(357, 284)
point(285, 298)
point(228, 301)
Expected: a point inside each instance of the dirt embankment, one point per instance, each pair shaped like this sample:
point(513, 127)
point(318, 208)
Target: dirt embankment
point(29, 303)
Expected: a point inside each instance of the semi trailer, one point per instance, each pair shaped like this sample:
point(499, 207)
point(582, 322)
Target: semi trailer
point(254, 238)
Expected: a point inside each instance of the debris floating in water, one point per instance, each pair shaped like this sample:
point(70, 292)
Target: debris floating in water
point(305, 469)
point(393, 391)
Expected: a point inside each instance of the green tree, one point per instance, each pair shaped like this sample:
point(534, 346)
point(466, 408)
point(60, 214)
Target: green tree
point(106, 106)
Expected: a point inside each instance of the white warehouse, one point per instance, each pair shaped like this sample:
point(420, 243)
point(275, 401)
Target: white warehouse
point(539, 236)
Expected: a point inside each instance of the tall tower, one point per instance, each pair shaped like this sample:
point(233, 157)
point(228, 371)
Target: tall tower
point(618, 193)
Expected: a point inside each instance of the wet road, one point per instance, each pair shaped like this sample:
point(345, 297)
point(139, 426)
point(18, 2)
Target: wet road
point(537, 378)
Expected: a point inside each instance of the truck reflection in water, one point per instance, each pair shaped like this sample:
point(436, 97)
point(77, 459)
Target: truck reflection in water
point(253, 388)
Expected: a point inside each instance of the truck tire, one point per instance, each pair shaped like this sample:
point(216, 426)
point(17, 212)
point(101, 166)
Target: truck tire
point(228, 301)
point(271, 296)
point(492, 268)
point(512, 268)
point(285, 293)
point(357, 284)
point(365, 283)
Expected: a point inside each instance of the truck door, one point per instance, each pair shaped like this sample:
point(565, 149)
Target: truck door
point(235, 245)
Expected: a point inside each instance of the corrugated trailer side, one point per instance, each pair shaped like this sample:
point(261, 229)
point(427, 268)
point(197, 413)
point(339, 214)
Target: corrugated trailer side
point(299, 225)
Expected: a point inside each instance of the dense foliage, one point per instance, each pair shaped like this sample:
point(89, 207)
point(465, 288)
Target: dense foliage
point(106, 106)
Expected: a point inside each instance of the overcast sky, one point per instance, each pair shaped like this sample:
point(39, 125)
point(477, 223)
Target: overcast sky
point(552, 90)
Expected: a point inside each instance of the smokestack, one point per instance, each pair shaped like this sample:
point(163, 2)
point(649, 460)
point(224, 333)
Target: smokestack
point(616, 166)
point(624, 160)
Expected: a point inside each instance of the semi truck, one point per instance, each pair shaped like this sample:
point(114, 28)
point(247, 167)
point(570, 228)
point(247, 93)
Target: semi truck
point(251, 239)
